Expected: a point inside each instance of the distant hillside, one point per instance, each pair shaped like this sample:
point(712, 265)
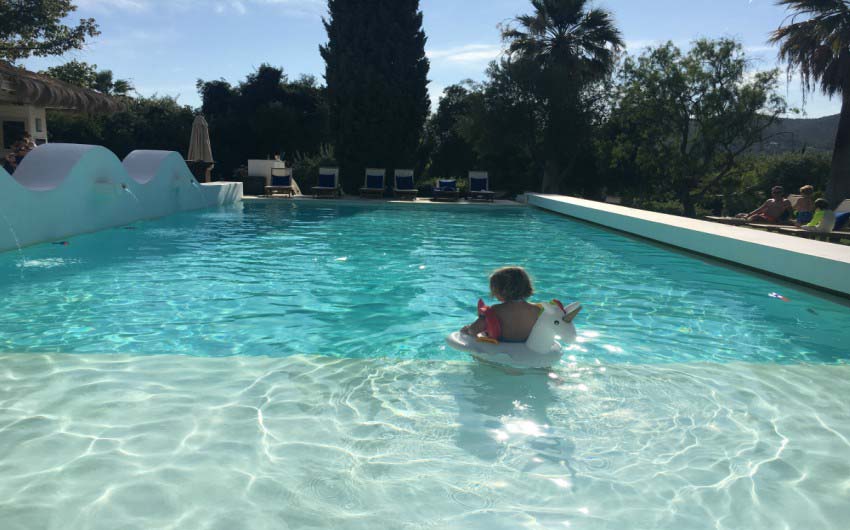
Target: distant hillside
point(794, 134)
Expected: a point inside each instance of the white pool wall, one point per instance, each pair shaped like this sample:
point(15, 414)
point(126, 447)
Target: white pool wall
point(61, 190)
point(816, 263)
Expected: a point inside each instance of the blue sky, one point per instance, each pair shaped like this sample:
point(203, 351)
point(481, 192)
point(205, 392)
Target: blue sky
point(164, 46)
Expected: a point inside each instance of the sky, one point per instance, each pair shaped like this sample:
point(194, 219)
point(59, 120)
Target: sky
point(165, 46)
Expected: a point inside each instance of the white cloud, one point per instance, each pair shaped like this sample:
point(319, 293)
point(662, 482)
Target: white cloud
point(634, 46)
point(114, 5)
point(469, 54)
point(759, 49)
point(435, 90)
point(292, 7)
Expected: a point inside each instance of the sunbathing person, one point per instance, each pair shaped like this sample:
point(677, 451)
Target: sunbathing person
point(9, 163)
point(824, 218)
point(805, 206)
point(775, 210)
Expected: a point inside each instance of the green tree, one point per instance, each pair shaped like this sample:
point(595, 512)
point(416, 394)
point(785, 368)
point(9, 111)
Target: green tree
point(376, 74)
point(87, 75)
point(818, 47)
point(560, 50)
point(451, 154)
point(264, 115)
point(35, 27)
point(683, 122)
point(503, 123)
point(147, 123)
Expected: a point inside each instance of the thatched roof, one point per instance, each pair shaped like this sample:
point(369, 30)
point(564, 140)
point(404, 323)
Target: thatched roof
point(28, 88)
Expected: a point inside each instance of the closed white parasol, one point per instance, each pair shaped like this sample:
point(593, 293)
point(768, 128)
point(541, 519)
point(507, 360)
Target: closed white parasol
point(200, 150)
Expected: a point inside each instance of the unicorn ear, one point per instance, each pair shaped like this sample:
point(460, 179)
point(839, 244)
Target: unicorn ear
point(572, 311)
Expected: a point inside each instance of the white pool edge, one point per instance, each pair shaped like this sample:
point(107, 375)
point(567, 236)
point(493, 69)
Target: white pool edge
point(818, 264)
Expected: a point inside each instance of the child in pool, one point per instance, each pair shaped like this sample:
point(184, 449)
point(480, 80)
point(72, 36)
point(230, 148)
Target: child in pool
point(511, 286)
point(805, 206)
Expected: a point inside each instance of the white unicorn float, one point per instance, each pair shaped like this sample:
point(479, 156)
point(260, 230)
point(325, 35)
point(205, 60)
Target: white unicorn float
point(543, 348)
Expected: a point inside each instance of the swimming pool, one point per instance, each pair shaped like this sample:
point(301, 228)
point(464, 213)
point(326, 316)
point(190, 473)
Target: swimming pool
point(282, 363)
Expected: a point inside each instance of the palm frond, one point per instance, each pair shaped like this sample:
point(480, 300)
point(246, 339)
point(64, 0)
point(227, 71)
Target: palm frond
point(816, 43)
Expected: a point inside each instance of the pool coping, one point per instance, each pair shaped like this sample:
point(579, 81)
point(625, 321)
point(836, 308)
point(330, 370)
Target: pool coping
point(824, 266)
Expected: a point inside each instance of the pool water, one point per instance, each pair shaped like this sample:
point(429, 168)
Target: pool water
point(284, 278)
point(281, 365)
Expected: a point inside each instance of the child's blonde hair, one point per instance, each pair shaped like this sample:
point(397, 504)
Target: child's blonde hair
point(511, 283)
point(807, 190)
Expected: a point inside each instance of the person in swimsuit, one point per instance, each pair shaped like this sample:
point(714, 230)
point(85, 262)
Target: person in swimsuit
point(512, 287)
point(10, 163)
point(824, 218)
point(805, 206)
point(775, 210)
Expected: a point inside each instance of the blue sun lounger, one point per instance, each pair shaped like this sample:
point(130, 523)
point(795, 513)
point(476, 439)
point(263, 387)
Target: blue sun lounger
point(279, 181)
point(405, 187)
point(374, 185)
point(446, 190)
point(479, 186)
point(328, 183)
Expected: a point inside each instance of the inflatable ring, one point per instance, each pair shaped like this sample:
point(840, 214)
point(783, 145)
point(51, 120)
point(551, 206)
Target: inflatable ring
point(543, 349)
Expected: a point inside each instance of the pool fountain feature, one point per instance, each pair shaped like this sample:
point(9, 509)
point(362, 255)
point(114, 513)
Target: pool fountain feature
point(61, 190)
point(130, 192)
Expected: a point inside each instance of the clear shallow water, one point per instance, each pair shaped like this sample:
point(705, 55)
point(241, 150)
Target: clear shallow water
point(282, 278)
point(138, 442)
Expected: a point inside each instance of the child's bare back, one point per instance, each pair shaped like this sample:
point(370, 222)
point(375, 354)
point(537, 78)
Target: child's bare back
point(516, 317)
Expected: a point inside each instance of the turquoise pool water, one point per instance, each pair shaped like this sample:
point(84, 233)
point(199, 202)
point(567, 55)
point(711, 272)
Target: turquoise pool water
point(284, 278)
point(281, 365)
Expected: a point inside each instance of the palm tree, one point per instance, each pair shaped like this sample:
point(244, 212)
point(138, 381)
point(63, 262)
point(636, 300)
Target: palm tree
point(567, 47)
point(818, 46)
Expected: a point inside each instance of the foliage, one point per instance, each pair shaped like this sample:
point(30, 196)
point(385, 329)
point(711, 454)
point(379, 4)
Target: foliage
point(557, 53)
point(148, 123)
point(789, 170)
point(818, 47)
point(376, 74)
point(683, 122)
point(88, 76)
point(305, 167)
point(264, 115)
point(449, 153)
point(35, 27)
point(503, 125)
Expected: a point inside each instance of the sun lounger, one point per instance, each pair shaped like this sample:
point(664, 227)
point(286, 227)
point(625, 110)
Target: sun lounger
point(769, 227)
point(404, 187)
point(374, 183)
point(328, 183)
point(446, 190)
point(479, 186)
point(734, 221)
point(835, 236)
point(279, 181)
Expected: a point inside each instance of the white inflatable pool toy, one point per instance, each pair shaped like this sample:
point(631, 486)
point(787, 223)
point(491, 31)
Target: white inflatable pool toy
point(542, 349)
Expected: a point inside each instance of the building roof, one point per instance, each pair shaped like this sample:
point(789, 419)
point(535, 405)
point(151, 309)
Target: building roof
point(21, 86)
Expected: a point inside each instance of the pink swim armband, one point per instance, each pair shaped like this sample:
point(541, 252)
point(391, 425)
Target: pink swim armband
point(494, 326)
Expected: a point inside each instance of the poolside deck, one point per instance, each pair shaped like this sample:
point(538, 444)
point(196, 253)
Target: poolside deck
point(357, 200)
point(818, 264)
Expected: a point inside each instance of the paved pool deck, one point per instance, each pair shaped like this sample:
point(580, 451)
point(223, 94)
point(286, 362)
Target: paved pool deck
point(825, 266)
point(353, 199)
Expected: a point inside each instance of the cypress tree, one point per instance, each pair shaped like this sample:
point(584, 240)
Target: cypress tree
point(376, 73)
